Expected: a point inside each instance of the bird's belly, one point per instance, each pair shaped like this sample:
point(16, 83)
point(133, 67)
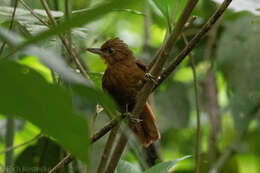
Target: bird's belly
point(123, 86)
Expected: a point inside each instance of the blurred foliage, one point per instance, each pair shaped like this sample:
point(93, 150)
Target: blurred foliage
point(62, 110)
point(40, 157)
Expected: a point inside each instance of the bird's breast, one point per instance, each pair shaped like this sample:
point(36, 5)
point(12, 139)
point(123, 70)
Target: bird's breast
point(123, 81)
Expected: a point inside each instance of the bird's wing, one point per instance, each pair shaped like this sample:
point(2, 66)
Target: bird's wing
point(141, 65)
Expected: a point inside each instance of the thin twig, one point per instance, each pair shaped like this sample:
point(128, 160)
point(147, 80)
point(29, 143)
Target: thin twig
point(9, 141)
point(162, 55)
point(107, 150)
point(11, 25)
point(48, 12)
point(10, 124)
point(64, 162)
point(147, 23)
point(110, 125)
point(54, 80)
point(211, 94)
point(194, 41)
point(92, 126)
point(21, 145)
point(67, 17)
point(195, 83)
point(33, 13)
point(65, 42)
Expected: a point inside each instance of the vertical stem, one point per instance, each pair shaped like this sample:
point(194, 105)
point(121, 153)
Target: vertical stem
point(67, 17)
point(197, 151)
point(13, 3)
point(9, 140)
point(147, 23)
point(10, 126)
point(195, 82)
point(56, 5)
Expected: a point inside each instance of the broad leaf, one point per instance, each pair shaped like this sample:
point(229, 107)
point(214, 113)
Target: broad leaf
point(127, 167)
point(26, 94)
point(169, 9)
point(83, 87)
point(165, 166)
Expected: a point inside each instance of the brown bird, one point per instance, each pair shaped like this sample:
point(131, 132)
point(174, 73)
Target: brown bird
point(124, 77)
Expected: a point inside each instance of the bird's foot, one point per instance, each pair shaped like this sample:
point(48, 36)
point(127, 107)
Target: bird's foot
point(150, 77)
point(132, 119)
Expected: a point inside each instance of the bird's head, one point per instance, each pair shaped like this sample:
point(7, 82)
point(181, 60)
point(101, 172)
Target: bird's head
point(113, 51)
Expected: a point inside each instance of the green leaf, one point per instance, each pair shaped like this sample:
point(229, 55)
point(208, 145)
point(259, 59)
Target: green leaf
point(84, 87)
point(170, 10)
point(78, 19)
point(165, 166)
point(26, 94)
point(131, 11)
point(127, 167)
point(96, 78)
point(163, 6)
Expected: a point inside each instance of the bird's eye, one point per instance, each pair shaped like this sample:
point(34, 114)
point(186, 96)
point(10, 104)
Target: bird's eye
point(110, 51)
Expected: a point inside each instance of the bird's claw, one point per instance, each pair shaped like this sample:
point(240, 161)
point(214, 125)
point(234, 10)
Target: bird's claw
point(132, 119)
point(150, 77)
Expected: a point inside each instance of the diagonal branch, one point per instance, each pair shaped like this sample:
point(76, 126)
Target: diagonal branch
point(119, 149)
point(33, 13)
point(21, 145)
point(65, 42)
point(194, 41)
point(161, 58)
point(110, 125)
point(107, 150)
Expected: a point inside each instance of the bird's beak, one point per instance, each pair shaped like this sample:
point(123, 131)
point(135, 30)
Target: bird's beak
point(95, 50)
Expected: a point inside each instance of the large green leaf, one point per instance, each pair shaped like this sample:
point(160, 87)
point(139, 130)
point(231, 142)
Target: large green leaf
point(165, 166)
point(26, 94)
point(83, 87)
point(163, 6)
point(168, 9)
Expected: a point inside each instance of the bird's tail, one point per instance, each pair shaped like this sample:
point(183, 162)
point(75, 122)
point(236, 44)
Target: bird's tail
point(146, 131)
